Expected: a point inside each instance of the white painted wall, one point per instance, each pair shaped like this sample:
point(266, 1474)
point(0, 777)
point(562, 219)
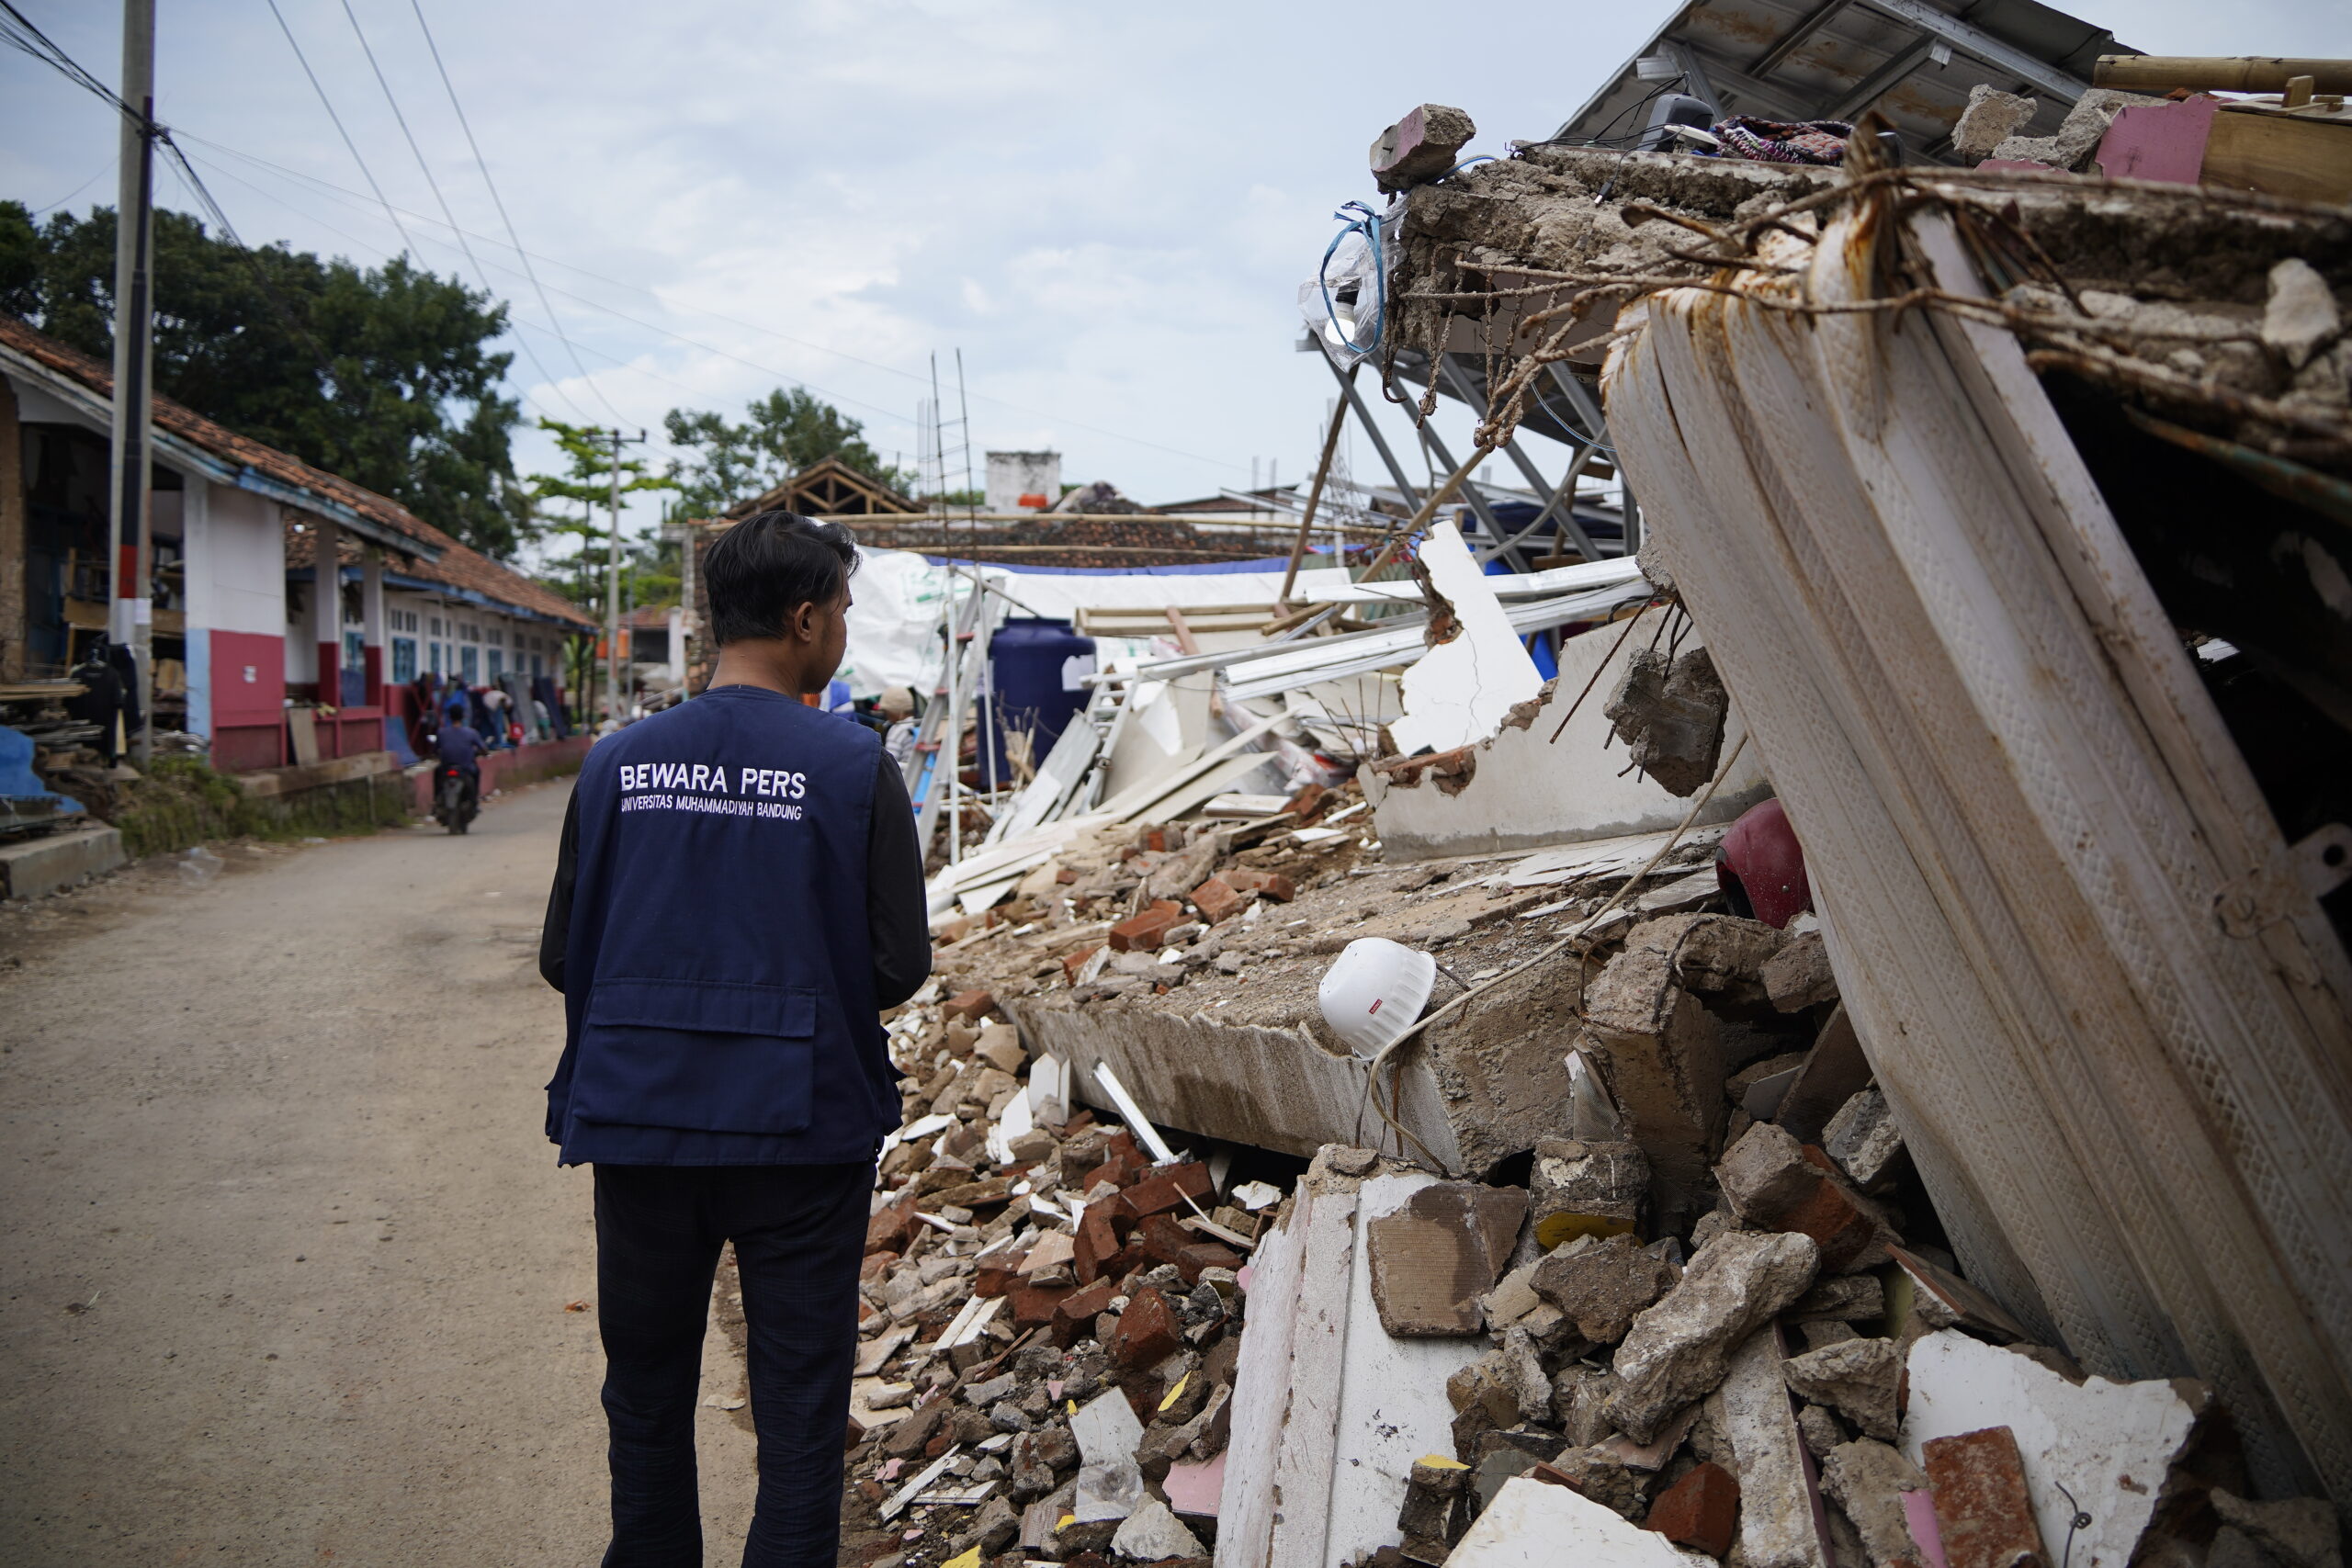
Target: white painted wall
point(1013, 475)
point(236, 577)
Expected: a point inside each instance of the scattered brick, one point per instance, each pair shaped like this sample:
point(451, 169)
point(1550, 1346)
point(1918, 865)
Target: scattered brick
point(1144, 932)
point(1074, 1314)
point(1217, 901)
point(1308, 803)
point(1077, 961)
point(1166, 1189)
point(1033, 1305)
point(1978, 1479)
point(971, 1006)
point(1147, 1334)
point(1266, 883)
point(1700, 1511)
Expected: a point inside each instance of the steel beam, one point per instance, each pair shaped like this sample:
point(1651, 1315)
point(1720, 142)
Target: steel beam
point(1984, 47)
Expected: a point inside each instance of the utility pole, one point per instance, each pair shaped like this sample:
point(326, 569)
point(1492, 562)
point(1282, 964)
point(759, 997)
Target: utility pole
point(130, 607)
point(613, 584)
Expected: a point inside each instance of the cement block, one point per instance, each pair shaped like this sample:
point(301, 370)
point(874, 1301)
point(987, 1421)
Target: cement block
point(38, 866)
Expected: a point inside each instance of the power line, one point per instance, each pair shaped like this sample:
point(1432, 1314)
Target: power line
point(735, 320)
point(447, 216)
point(498, 201)
point(352, 147)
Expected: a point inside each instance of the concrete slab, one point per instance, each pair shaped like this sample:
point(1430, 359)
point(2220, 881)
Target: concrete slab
point(1534, 1524)
point(38, 866)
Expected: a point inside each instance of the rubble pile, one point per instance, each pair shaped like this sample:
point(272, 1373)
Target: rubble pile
point(1050, 1318)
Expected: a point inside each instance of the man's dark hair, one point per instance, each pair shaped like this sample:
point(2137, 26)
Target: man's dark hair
point(757, 571)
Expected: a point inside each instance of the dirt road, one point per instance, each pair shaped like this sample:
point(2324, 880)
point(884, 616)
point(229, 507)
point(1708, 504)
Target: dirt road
point(284, 1259)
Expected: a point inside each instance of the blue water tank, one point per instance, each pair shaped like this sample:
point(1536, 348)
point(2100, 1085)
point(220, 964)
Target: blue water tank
point(1037, 671)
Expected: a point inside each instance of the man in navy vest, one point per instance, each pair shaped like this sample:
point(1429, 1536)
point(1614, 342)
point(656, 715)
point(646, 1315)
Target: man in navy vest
point(738, 893)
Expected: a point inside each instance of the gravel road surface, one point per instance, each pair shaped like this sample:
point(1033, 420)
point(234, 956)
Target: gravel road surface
point(286, 1269)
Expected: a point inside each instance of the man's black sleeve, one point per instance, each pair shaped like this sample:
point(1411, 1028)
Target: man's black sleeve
point(556, 934)
point(898, 918)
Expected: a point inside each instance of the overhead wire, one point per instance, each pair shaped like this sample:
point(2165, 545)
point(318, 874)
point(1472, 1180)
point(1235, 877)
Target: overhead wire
point(498, 201)
point(447, 216)
point(352, 147)
point(738, 321)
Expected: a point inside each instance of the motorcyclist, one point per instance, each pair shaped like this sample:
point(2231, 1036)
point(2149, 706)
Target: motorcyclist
point(459, 746)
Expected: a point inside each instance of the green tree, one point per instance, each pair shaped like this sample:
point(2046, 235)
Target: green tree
point(784, 432)
point(587, 483)
point(384, 377)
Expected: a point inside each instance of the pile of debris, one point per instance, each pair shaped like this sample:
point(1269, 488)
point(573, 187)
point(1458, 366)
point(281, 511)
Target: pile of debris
point(1051, 1316)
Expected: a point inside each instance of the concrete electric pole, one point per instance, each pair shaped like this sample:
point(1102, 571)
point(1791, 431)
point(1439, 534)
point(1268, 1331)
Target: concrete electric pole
point(612, 583)
point(130, 607)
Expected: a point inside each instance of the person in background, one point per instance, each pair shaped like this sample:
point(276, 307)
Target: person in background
point(737, 895)
point(898, 707)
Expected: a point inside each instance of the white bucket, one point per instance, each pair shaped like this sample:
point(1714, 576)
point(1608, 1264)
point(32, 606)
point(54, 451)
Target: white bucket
point(1374, 991)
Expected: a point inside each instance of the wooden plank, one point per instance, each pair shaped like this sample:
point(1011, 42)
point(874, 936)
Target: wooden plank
point(2295, 156)
point(2160, 74)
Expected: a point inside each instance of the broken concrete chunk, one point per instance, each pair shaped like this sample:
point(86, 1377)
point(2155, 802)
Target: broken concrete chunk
point(1983, 1509)
point(1857, 1378)
point(1820, 1430)
point(1867, 1480)
point(1663, 1060)
point(1586, 1189)
point(2299, 1532)
point(1766, 1175)
point(1843, 1298)
point(1827, 1331)
point(1153, 1534)
point(1990, 117)
point(1435, 1256)
point(1863, 1140)
point(1798, 976)
point(1427, 1523)
point(1603, 1477)
point(1716, 954)
point(1000, 1043)
point(1700, 1511)
point(2109, 1444)
point(1419, 147)
point(1680, 1348)
point(2300, 318)
point(1579, 1401)
point(1534, 1524)
point(1601, 1285)
point(1777, 1525)
point(1670, 714)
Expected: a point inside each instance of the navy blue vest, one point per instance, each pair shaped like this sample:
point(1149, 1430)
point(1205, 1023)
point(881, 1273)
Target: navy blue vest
point(718, 983)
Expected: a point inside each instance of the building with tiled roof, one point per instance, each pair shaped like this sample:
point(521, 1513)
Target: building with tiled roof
point(241, 637)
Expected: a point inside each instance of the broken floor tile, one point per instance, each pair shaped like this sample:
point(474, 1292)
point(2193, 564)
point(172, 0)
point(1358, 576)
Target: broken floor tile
point(1680, 1348)
point(1983, 1509)
point(1434, 1258)
point(1867, 1481)
point(1857, 1378)
point(2110, 1444)
point(1933, 1298)
point(1109, 1484)
point(1534, 1524)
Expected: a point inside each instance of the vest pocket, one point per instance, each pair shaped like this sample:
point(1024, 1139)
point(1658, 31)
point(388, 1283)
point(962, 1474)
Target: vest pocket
point(708, 1055)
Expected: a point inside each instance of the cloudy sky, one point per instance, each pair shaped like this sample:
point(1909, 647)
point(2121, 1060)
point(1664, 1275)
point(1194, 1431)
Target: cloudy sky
point(1107, 209)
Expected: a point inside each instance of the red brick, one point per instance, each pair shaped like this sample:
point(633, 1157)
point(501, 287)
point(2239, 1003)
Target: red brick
point(1217, 901)
point(1700, 1511)
point(993, 1279)
point(1266, 883)
point(876, 1267)
point(1144, 932)
point(1033, 1305)
point(1098, 1240)
point(1832, 1218)
point(1162, 1240)
point(971, 1006)
point(1166, 1189)
point(1981, 1507)
point(1202, 1255)
point(1077, 961)
point(891, 1228)
point(1308, 803)
point(1147, 1335)
point(1074, 1314)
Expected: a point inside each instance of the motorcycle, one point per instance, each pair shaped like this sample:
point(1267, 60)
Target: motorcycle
point(456, 798)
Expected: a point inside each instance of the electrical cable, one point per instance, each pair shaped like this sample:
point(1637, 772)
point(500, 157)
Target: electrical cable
point(447, 216)
point(732, 320)
point(319, 88)
point(500, 202)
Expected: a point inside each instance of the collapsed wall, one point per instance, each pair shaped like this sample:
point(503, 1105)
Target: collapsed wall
point(1893, 433)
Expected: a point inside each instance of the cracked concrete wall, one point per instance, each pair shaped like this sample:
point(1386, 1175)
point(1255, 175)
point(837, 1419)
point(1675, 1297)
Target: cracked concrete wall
point(1528, 791)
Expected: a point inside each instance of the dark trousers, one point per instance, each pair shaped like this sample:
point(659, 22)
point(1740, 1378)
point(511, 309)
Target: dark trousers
point(799, 1235)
